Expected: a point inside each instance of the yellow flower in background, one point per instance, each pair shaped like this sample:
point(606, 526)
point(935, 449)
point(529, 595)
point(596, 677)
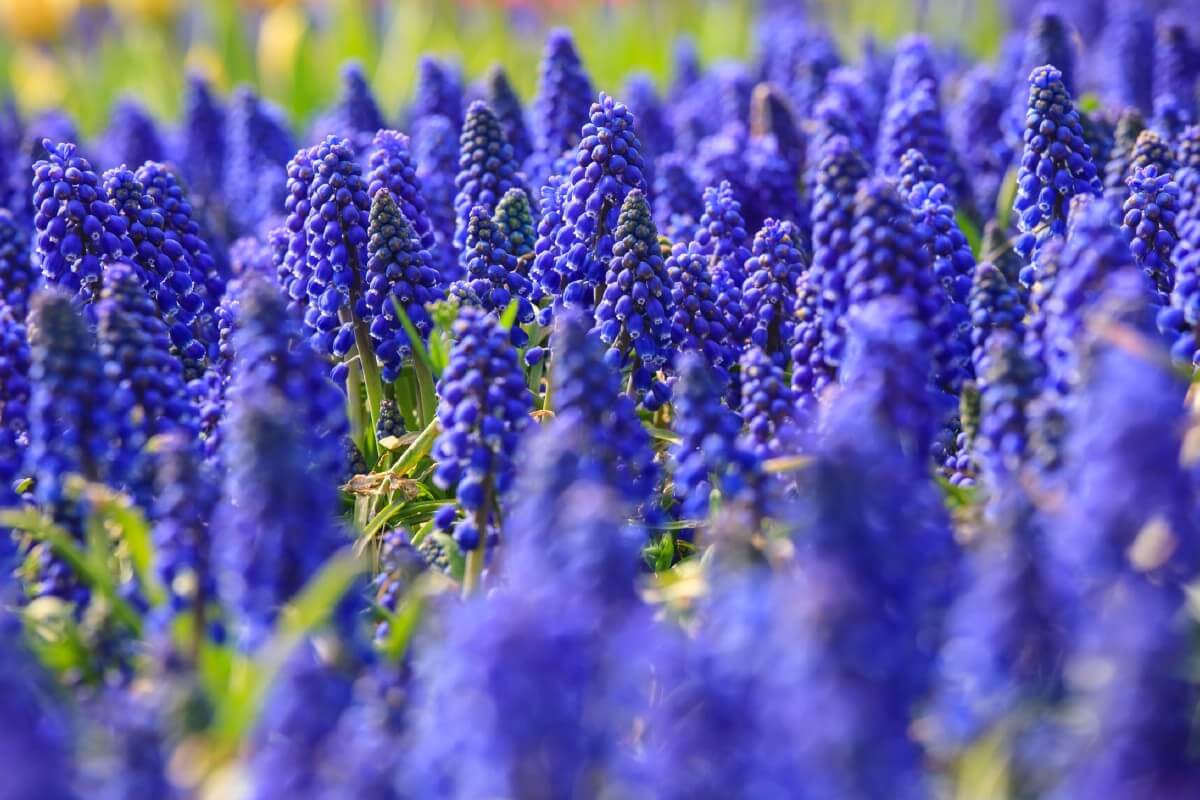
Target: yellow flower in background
point(205, 61)
point(153, 10)
point(37, 20)
point(279, 38)
point(38, 79)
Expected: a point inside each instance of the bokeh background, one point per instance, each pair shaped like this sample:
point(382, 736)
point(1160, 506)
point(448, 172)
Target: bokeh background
point(84, 54)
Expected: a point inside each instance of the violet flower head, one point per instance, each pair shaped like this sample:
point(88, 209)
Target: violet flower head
point(504, 102)
point(490, 277)
point(132, 136)
point(1149, 224)
point(677, 204)
point(774, 273)
point(1056, 164)
point(258, 145)
point(17, 276)
point(438, 92)
point(698, 323)
point(202, 146)
point(391, 166)
point(486, 167)
point(633, 316)
point(1128, 38)
point(435, 149)
point(76, 228)
point(769, 406)
point(564, 97)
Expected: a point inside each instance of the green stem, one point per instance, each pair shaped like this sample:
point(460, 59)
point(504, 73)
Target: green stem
point(473, 570)
point(370, 369)
point(353, 406)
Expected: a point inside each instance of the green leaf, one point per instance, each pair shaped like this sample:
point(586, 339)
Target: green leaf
point(662, 434)
point(509, 317)
point(1004, 201)
point(416, 451)
point(420, 350)
point(971, 231)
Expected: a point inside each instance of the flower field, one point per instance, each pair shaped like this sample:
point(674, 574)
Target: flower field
point(608, 401)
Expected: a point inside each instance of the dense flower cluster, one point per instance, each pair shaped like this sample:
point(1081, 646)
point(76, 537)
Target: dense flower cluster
point(810, 425)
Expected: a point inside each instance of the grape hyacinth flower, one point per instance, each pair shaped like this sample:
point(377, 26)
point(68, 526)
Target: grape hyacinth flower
point(76, 227)
point(491, 280)
point(977, 132)
point(37, 741)
point(483, 407)
point(849, 107)
point(132, 136)
point(393, 167)
point(1049, 39)
point(776, 194)
point(995, 305)
point(616, 449)
point(17, 279)
point(774, 273)
point(561, 107)
point(185, 498)
point(163, 264)
point(633, 316)
point(1129, 127)
point(915, 122)
point(1150, 149)
point(840, 170)
point(1176, 63)
point(399, 271)
point(503, 100)
point(1008, 384)
point(435, 149)
point(710, 453)
point(438, 92)
point(1056, 164)
point(768, 406)
point(258, 144)
point(1128, 38)
point(722, 157)
point(1149, 224)
point(653, 127)
point(698, 324)
point(272, 356)
point(355, 115)
point(514, 220)
point(486, 167)
point(608, 168)
point(202, 146)
point(72, 426)
point(677, 203)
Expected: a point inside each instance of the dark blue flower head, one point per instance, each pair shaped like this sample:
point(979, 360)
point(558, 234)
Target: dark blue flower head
point(271, 356)
point(840, 170)
point(995, 305)
point(710, 453)
point(72, 426)
point(774, 273)
point(185, 498)
point(202, 145)
point(514, 220)
point(275, 525)
point(1176, 63)
point(768, 408)
point(915, 122)
point(163, 186)
point(162, 264)
point(17, 278)
point(293, 269)
point(733, 85)
point(577, 489)
point(123, 751)
point(1171, 116)
point(132, 136)
point(439, 92)
point(399, 271)
point(258, 144)
point(146, 380)
point(776, 192)
point(1129, 126)
point(1149, 223)
point(888, 362)
point(586, 389)
point(356, 112)
point(561, 106)
point(336, 233)
point(608, 167)
point(1127, 75)
point(14, 376)
point(677, 204)
point(1049, 39)
point(653, 126)
point(722, 157)
point(491, 280)
point(486, 167)
point(723, 237)
point(76, 227)
point(1056, 164)
point(633, 316)
point(37, 741)
point(393, 167)
point(1008, 384)
point(504, 101)
point(914, 62)
point(483, 406)
point(435, 149)
point(848, 107)
point(698, 323)
point(1132, 692)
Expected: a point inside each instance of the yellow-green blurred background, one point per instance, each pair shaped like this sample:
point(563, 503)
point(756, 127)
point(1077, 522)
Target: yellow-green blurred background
point(82, 54)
